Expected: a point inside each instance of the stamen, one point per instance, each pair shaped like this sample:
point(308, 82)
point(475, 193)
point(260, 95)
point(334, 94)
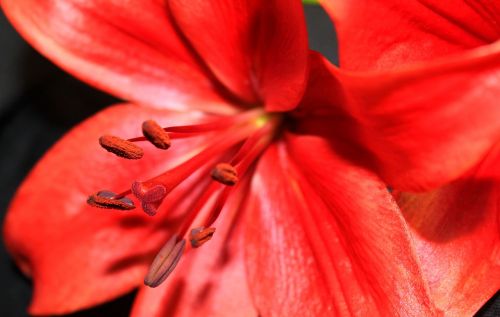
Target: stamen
point(197, 205)
point(245, 160)
point(217, 124)
point(217, 207)
point(188, 131)
point(107, 199)
point(165, 262)
point(242, 140)
point(171, 178)
point(200, 235)
point(121, 147)
point(155, 134)
point(225, 173)
point(171, 136)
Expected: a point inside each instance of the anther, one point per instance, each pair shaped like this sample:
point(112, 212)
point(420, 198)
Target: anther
point(105, 199)
point(121, 147)
point(225, 173)
point(200, 235)
point(155, 134)
point(165, 262)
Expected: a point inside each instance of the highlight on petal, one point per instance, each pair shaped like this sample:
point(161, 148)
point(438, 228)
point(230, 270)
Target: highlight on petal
point(425, 125)
point(256, 48)
point(129, 49)
point(457, 234)
point(384, 34)
point(324, 238)
point(210, 280)
point(80, 256)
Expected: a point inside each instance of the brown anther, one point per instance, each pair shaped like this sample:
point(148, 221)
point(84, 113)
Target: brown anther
point(225, 173)
point(121, 147)
point(200, 235)
point(165, 262)
point(155, 134)
point(105, 199)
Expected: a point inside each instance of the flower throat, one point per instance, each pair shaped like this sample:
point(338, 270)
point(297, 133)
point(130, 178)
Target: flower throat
point(241, 138)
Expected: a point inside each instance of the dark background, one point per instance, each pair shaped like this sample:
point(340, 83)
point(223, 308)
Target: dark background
point(38, 103)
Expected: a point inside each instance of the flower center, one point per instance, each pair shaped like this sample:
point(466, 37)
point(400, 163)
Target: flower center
point(241, 138)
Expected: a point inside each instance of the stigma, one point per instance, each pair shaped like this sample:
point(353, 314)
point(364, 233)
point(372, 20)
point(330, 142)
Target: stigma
point(241, 139)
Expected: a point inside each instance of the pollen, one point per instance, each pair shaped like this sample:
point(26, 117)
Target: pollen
point(121, 147)
point(106, 199)
point(156, 134)
point(225, 173)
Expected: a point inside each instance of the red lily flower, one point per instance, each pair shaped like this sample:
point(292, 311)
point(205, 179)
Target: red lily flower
point(309, 230)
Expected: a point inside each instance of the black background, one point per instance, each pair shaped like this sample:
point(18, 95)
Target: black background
point(38, 103)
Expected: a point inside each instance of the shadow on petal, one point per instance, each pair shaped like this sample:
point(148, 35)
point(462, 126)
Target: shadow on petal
point(133, 222)
point(140, 259)
point(450, 212)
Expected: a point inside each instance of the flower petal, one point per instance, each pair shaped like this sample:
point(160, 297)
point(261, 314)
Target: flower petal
point(318, 102)
point(256, 48)
point(326, 239)
point(78, 255)
point(209, 281)
point(425, 125)
point(129, 49)
point(383, 34)
point(457, 234)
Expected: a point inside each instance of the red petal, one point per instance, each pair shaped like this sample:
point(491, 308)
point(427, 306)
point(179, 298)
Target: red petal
point(209, 281)
point(326, 239)
point(129, 50)
point(426, 125)
point(318, 102)
point(457, 233)
point(256, 48)
point(384, 34)
point(80, 256)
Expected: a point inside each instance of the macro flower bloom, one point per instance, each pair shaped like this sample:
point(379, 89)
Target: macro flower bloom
point(301, 153)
